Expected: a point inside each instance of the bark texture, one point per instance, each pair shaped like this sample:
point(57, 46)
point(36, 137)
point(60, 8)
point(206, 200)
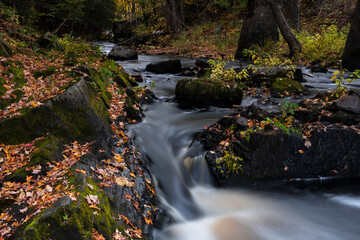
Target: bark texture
point(285, 30)
point(258, 27)
point(173, 16)
point(291, 10)
point(351, 56)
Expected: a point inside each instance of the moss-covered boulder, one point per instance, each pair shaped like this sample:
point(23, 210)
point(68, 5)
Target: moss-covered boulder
point(285, 87)
point(124, 81)
point(17, 74)
point(78, 113)
point(2, 86)
point(49, 150)
point(68, 219)
point(45, 73)
point(204, 93)
point(5, 49)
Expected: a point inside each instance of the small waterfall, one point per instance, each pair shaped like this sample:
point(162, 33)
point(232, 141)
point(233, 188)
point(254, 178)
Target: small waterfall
point(202, 212)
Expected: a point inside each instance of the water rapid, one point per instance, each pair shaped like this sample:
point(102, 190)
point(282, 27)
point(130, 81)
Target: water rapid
point(203, 212)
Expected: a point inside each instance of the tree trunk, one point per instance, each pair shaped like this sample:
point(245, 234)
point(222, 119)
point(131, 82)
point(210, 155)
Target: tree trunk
point(291, 10)
point(285, 30)
point(351, 56)
point(173, 18)
point(182, 12)
point(258, 27)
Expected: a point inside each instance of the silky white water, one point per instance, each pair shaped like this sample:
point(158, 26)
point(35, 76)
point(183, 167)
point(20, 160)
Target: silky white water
point(202, 212)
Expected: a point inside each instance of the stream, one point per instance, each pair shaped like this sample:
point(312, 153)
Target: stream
point(203, 212)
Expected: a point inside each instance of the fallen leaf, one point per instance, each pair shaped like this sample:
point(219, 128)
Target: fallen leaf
point(124, 182)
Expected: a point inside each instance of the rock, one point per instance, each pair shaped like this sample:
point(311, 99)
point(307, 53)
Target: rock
point(170, 66)
point(349, 103)
point(272, 155)
point(47, 40)
point(343, 110)
point(298, 75)
point(77, 113)
point(137, 77)
point(132, 94)
point(242, 122)
point(202, 63)
point(124, 81)
point(5, 49)
point(122, 30)
point(131, 112)
point(318, 69)
point(121, 54)
point(45, 73)
point(285, 86)
point(191, 93)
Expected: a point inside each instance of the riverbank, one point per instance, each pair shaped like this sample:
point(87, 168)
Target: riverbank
point(69, 168)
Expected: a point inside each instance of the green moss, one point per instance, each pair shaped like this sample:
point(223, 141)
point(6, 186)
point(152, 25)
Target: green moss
point(2, 88)
point(27, 127)
point(122, 81)
point(100, 86)
point(283, 85)
point(74, 220)
point(45, 73)
point(3, 103)
point(18, 75)
point(49, 150)
point(59, 118)
point(5, 49)
point(18, 93)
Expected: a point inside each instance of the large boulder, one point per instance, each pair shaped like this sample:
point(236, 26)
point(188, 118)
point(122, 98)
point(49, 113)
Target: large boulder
point(204, 93)
point(122, 30)
point(273, 155)
point(350, 103)
point(119, 53)
point(170, 66)
point(77, 113)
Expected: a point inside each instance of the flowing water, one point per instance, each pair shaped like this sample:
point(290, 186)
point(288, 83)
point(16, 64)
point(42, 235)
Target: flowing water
point(203, 212)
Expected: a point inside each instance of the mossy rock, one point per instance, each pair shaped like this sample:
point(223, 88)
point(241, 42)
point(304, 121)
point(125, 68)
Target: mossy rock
point(4, 103)
point(5, 49)
point(68, 219)
point(18, 75)
point(204, 93)
point(131, 112)
point(45, 73)
point(76, 114)
point(49, 150)
point(132, 94)
point(48, 40)
point(285, 86)
point(2, 86)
